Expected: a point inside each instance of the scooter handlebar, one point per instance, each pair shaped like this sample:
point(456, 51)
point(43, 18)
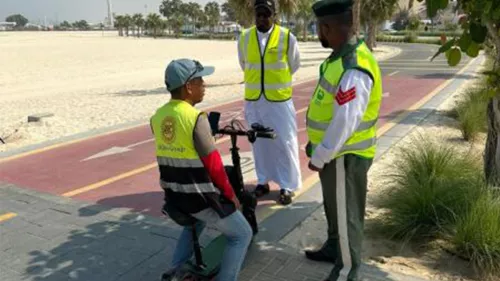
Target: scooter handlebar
point(257, 134)
point(265, 135)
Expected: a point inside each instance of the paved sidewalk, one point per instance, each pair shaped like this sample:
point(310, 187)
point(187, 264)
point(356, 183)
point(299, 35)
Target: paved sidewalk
point(53, 238)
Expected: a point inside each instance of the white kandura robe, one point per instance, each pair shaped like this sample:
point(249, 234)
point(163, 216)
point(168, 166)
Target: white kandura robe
point(276, 160)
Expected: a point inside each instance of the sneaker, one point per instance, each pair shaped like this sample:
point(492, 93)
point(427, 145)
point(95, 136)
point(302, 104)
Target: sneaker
point(285, 197)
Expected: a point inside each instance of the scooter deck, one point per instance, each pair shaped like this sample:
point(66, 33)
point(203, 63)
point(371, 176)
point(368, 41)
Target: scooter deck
point(212, 256)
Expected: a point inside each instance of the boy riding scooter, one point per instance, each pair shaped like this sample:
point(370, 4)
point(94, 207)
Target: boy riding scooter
point(192, 174)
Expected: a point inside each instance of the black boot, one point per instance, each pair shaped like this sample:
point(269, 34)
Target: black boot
point(319, 255)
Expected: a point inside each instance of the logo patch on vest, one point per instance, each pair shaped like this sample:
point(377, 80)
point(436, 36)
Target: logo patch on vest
point(345, 97)
point(319, 97)
point(168, 129)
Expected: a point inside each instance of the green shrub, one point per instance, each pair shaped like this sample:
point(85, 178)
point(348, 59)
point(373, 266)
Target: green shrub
point(477, 235)
point(411, 37)
point(470, 112)
point(430, 186)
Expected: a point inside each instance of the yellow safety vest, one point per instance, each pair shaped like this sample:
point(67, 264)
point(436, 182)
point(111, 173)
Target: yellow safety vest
point(182, 174)
point(319, 114)
point(268, 74)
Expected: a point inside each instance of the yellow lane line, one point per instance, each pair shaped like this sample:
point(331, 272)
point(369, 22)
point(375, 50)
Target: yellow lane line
point(108, 181)
point(393, 122)
point(120, 176)
point(7, 216)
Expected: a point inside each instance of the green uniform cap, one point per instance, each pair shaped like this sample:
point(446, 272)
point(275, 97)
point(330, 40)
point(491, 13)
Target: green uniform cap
point(331, 7)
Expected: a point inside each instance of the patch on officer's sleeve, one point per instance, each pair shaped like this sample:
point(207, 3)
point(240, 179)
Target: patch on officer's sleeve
point(344, 97)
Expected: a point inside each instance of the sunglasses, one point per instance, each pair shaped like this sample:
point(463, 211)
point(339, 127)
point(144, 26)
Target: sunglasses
point(199, 68)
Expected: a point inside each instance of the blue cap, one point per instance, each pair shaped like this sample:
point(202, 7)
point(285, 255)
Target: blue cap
point(180, 71)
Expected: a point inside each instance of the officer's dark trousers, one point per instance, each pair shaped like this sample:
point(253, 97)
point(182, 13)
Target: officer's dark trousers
point(344, 184)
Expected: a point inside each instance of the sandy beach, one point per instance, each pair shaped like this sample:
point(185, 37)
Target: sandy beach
point(91, 80)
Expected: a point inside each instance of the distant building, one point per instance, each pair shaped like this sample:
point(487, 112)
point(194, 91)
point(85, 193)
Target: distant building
point(7, 25)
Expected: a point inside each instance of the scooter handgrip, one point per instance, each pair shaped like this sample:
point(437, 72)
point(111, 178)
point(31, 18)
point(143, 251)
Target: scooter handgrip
point(266, 135)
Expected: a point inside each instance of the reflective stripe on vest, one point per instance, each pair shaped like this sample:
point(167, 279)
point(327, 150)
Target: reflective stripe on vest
point(182, 163)
point(366, 144)
point(271, 70)
point(189, 188)
point(322, 126)
point(181, 169)
point(363, 141)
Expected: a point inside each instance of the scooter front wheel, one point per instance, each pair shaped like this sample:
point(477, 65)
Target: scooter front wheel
point(191, 277)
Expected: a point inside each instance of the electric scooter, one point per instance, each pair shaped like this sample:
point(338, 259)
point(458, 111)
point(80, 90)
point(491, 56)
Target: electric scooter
point(206, 262)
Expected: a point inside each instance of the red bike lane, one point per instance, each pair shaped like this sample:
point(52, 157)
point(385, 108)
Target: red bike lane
point(130, 179)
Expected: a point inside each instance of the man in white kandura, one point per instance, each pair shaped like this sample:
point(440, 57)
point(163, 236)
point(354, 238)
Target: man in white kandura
point(269, 56)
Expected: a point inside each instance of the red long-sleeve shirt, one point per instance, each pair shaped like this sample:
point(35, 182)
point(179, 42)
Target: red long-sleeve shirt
point(210, 156)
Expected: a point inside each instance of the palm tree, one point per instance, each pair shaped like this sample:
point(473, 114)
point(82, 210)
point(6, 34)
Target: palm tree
point(373, 12)
point(287, 8)
point(243, 10)
point(410, 4)
point(356, 15)
point(305, 15)
point(153, 23)
point(194, 12)
point(119, 24)
point(138, 21)
point(127, 22)
point(171, 10)
point(212, 11)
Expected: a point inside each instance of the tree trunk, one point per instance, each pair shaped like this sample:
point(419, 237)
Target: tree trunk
point(355, 14)
point(372, 34)
point(492, 148)
point(304, 30)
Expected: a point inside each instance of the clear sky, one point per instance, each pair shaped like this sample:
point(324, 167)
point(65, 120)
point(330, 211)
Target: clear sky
point(93, 11)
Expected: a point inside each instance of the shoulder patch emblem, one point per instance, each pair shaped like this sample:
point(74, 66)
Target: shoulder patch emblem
point(168, 129)
point(344, 97)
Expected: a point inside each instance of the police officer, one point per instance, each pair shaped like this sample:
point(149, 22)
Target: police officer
point(269, 56)
point(192, 172)
point(341, 127)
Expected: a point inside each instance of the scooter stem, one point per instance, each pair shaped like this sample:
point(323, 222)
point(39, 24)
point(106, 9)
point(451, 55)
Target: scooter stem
point(197, 250)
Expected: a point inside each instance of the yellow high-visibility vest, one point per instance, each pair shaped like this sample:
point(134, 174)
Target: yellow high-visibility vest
point(181, 169)
point(319, 114)
point(268, 74)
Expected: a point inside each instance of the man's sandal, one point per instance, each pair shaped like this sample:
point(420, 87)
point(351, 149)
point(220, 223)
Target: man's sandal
point(285, 197)
point(261, 190)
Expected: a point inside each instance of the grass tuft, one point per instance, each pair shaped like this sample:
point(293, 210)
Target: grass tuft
point(477, 233)
point(430, 187)
point(470, 112)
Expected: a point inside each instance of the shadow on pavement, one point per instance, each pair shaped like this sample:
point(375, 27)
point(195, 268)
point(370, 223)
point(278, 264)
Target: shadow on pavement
point(446, 75)
point(415, 117)
point(106, 247)
point(149, 92)
point(97, 242)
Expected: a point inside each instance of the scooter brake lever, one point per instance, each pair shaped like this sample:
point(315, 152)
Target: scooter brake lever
point(259, 128)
